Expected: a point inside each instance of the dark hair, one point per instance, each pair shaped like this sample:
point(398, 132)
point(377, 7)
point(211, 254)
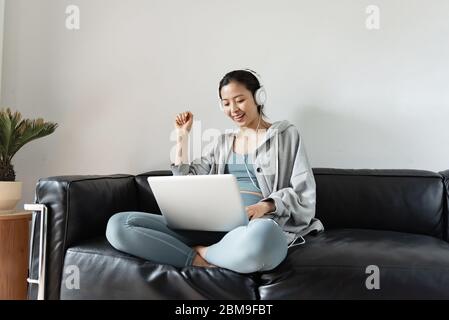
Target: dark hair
point(244, 77)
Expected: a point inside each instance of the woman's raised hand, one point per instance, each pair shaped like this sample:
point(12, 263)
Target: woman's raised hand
point(184, 121)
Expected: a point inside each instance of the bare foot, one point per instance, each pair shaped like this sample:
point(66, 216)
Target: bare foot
point(201, 251)
point(199, 260)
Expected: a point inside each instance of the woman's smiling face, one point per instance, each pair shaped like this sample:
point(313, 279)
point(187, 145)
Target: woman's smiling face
point(238, 104)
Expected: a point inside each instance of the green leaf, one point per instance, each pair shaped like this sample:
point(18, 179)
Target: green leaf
point(15, 133)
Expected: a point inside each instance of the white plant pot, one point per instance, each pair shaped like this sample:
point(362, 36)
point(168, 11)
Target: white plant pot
point(10, 195)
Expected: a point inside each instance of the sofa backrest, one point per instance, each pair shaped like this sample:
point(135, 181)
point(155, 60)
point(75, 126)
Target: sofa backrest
point(410, 201)
point(413, 201)
point(146, 200)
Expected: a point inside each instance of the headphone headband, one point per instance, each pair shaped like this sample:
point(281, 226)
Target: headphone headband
point(254, 73)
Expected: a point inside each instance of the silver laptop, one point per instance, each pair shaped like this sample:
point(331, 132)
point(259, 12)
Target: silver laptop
point(200, 202)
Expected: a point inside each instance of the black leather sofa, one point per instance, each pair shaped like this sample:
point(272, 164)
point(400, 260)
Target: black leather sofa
point(396, 220)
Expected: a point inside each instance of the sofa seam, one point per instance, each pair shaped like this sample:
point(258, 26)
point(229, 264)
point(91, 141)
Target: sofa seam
point(364, 266)
point(146, 174)
point(445, 208)
point(373, 175)
point(49, 179)
point(70, 250)
point(65, 233)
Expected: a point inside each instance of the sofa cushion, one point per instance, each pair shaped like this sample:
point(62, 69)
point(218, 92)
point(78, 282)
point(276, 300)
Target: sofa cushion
point(397, 200)
point(106, 273)
point(333, 265)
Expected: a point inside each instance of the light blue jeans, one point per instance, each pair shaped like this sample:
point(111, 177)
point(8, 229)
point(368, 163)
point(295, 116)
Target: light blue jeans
point(259, 246)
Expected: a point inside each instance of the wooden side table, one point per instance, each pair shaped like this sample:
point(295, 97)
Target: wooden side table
point(14, 248)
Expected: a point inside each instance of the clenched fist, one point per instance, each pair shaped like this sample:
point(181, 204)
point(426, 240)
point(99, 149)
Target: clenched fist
point(184, 121)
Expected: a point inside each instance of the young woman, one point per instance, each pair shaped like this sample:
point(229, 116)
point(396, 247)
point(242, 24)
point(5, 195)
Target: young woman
point(276, 183)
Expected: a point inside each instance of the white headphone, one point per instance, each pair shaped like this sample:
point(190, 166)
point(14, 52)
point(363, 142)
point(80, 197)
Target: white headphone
point(260, 96)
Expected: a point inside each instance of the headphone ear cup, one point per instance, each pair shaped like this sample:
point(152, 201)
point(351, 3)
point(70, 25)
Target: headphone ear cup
point(260, 96)
point(220, 104)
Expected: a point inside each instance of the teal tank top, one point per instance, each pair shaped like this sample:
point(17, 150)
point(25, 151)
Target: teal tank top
point(236, 166)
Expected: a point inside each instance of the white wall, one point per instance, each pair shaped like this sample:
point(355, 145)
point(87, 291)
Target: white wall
point(2, 16)
point(362, 99)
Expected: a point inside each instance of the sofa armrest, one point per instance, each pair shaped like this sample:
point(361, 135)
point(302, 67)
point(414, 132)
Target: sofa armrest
point(78, 209)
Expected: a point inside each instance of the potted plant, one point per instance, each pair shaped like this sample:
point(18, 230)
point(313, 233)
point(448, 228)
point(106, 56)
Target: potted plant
point(14, 134)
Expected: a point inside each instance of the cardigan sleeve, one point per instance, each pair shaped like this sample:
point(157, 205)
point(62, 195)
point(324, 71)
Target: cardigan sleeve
point(297, 201)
